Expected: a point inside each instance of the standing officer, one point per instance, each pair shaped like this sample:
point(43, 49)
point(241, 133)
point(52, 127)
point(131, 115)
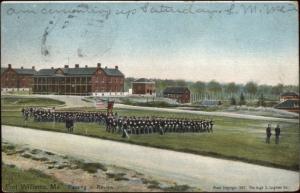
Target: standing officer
point(211, 123)
point(68, 124)
point(277, 133)
point(71, 124)
point(269, 133)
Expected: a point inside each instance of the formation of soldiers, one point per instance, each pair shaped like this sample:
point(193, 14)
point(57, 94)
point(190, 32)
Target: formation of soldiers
point(48, 115)
point(147, 125)
point(124, 125)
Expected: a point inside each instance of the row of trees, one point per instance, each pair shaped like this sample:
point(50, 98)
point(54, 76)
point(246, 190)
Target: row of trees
point(242, 101)
point(223, 90)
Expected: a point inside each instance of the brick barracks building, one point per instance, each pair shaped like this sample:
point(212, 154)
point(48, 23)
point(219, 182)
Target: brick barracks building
point(143, 86)
point(78, 80)
point(181, 94)
point(16, 79)
point(289, 101)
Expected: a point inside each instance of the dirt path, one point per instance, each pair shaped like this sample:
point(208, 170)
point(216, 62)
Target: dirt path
point(198, 171)
point(78, 179)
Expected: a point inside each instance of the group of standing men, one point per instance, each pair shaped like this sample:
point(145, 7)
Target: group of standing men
point(269, 134)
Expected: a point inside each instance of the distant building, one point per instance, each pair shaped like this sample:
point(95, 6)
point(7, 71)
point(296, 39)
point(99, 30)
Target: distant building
point(180, 94)
point(289, 101)
point(143, 86)
point(78, 80)
point(211, 103)
point(13, 79)
point(289, 105)
point(289, 96)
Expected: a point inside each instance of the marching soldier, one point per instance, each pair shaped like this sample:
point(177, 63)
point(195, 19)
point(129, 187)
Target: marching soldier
point(71, 124)
point(26, 115)
point(68, 124)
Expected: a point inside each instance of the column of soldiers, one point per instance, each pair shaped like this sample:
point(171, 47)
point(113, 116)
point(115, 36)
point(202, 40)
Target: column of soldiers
point(269, 134)
point(46, 115)
point(124, 125)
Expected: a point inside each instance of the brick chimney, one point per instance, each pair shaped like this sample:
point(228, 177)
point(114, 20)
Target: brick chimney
point(117, 67)
point(33, 68)
point(76, 65)
point(9, 65)
point(22, 67)
point(66, 66)
point(99, 65)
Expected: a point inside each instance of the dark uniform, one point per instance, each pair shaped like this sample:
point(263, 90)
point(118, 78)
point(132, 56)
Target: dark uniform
point(71, 124)
point(68, 124)
point(269, 133)
point(277, 133)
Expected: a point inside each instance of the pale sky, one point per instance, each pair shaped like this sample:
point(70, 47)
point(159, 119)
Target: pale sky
point(197, 41)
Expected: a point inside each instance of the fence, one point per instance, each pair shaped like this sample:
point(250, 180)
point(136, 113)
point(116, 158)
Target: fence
point(197, 97)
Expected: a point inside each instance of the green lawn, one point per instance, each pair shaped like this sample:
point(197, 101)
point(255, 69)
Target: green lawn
point(16, 103)
point(237, 139)
point(17, 180)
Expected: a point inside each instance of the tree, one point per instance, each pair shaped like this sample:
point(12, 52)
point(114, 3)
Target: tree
point(231, 88)
point(261, 101)
point(160, 85)
point(198, 87)
point(264, 89)
point(251, 88)
point(214, 87)
point(180, 83)
point(242, 99)
point(127, 83)
point(278, 89)
point(232, 101)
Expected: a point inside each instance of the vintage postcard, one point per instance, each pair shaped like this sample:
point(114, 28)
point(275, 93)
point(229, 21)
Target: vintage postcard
point(181, 96)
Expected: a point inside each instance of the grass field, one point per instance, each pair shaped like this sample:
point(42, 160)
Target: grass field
point(235, 139)
point(17, 180)
point(16, 103)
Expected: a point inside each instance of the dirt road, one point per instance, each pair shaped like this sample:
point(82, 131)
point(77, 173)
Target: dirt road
point(207, 173)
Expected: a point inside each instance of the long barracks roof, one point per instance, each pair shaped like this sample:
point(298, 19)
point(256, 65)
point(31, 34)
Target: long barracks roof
point(25, 71)
point(112, 72)
point(21, 71)
point(79, 71)
point(176, 90)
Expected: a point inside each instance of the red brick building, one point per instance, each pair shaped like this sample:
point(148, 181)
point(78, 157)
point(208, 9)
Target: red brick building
point(181, 94)
point(16, 78)
point(289, 101)
point(78, 80)
point(289, 96)
point(143, 86)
